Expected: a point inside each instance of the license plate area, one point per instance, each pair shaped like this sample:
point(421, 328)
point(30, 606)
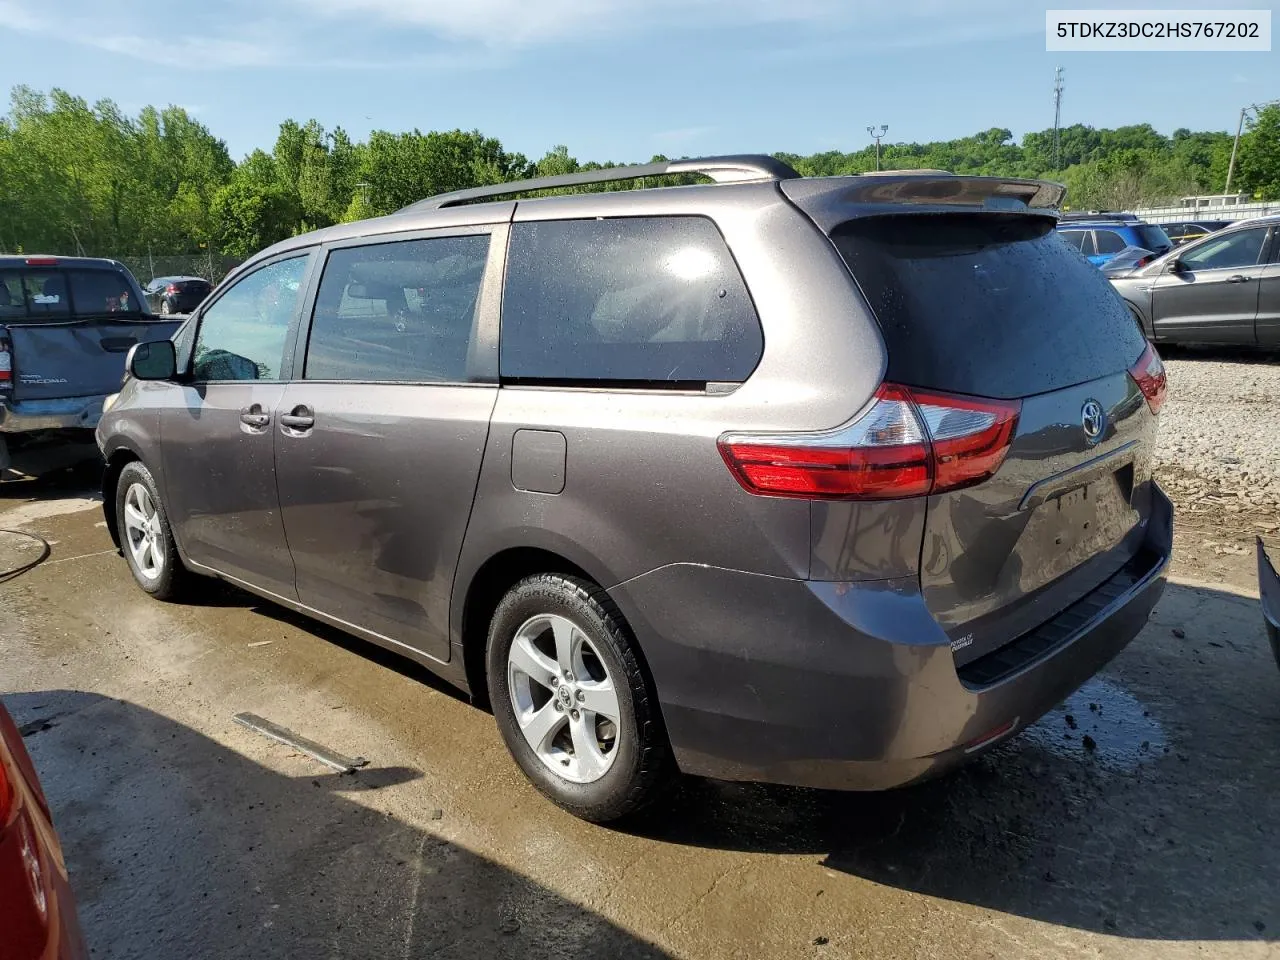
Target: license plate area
point(1075, 513)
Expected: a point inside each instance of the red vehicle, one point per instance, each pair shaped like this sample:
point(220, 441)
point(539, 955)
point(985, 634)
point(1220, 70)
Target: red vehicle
point(37, 910)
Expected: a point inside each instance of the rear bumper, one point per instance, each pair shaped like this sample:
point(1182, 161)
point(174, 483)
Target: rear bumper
point(854, 686)
point(70, 413)
point(1269, 591)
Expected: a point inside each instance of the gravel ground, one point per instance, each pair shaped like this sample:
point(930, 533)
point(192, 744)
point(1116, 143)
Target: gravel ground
point(1219, 450)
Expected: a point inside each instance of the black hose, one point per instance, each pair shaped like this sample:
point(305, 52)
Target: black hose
point(7, 575)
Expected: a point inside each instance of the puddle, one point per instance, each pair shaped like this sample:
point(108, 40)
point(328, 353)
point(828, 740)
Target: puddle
point(1114, 720)
point(27, 513)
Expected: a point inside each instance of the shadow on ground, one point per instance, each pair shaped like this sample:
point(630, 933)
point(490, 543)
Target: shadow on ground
point(1167, 829)
point(55, 470)
point(1172, 351)
point(180, 847)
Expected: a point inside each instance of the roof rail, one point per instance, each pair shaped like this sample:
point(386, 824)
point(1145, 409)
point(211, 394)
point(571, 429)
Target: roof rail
point(735, 169)
point(1091, 215)
point(929, 171)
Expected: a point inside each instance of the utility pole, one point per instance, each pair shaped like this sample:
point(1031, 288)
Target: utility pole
point(1235, 147)
point(884, 128)
point(1059, 84)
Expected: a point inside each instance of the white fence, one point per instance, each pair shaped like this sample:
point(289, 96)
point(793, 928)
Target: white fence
point(1242, 211)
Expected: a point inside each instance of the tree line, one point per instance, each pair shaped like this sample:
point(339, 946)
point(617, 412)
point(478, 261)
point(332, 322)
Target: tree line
point(88, 179)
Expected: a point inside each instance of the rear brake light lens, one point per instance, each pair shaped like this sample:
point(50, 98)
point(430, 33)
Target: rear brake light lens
point(171, 288)
point(970, 436)
point(908, 443)
point(6, 366)
point(7, 796)
point(42, 261)
point(1148, 373)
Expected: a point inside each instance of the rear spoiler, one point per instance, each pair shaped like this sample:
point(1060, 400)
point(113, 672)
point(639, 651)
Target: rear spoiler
point(831, 201)
point(1269, 590)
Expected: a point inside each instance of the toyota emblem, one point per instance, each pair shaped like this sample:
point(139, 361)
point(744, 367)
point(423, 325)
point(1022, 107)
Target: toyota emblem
point(1093, 420)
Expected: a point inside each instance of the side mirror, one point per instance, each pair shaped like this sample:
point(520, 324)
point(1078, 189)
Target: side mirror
point(1175, 266)
point(155, 360)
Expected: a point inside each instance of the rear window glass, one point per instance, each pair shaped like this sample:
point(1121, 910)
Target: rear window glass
point(987, 305)
point(639, 300)
point(400, 311)
point(1073, 237)
point(37, 293)
point(101, 291)
point(1109, 241)
point(1153, 238)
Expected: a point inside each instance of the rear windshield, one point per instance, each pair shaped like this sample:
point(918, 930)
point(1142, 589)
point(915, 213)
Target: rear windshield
point(987, 305)
point(53, 294)
point(1153, 238)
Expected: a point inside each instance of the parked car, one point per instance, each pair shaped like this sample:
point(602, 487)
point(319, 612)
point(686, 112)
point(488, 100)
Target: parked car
point(66, 324)
point(1222, 290)
point(170, 295)
point(833, 482)
point(1101, 236)
point(37, 908)
point(1269, 591)
point(1126, 261)
point(1183, 233)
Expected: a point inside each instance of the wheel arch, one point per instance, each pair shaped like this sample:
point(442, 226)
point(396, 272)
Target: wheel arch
point(486, 588)
point(117, 460)
point(1144, 322)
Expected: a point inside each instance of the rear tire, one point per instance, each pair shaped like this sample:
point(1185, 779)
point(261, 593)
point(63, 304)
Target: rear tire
point(166, 310)
point(572, 701)
point(146, 538)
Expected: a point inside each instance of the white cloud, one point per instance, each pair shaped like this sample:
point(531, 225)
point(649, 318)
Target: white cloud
point(522, 23)
point(15, 17)
point(186, 51)
point(219, 35)
point(499, 23)
point(473, 34)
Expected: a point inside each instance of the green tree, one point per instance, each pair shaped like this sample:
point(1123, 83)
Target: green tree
point(249, 215)
point(1259, 159)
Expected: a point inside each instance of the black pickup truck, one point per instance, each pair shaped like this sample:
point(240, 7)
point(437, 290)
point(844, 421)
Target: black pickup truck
point(66, 324)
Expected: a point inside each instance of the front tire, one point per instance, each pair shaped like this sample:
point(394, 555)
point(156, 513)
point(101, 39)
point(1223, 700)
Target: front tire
point(572, 701)
point(146, 538)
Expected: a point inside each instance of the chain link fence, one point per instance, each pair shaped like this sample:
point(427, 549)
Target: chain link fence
point(209, 264)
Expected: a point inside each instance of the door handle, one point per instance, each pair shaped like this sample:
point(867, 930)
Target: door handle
point(254, 417)
point(1238, 278)
point(301, 418)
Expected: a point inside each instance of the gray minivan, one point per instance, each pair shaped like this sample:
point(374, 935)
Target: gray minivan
point(832, 482)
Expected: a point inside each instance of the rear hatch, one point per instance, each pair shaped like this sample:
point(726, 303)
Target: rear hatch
point(65, 328)
point(76, 358)
point(992, 305)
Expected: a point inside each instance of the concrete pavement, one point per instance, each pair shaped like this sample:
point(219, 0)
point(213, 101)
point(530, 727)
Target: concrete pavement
point(189, 836)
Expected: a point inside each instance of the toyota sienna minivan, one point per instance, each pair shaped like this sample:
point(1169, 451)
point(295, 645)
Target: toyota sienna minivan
point(833, 482)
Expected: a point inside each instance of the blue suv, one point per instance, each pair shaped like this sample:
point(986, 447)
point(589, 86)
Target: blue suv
point(1100, 236)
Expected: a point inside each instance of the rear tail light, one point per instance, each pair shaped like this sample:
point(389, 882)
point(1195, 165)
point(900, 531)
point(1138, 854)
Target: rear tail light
point(1148, 373)
point(171, 288)
point(908, 443)
point(42, 261)
point(7, 795)
point(6, 366)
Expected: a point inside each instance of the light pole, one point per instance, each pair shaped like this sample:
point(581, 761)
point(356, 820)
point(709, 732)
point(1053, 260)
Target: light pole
point(1235, 147)
point(884, 128)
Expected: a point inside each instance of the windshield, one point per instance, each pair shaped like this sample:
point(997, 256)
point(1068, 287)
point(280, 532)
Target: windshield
point(53, 294)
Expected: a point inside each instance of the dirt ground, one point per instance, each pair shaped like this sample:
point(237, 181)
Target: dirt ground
point(1140, 819)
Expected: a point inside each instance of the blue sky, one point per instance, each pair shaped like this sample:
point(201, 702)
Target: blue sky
point(617, 79)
